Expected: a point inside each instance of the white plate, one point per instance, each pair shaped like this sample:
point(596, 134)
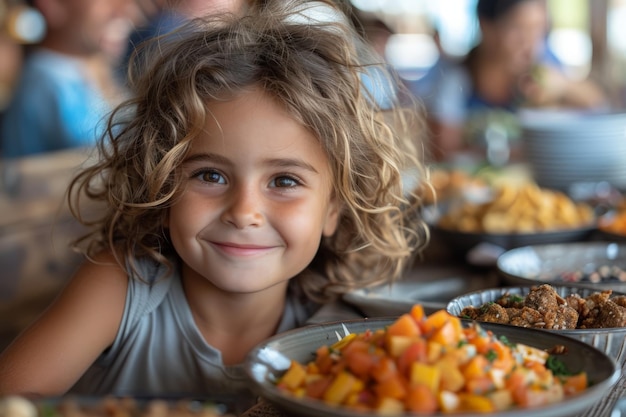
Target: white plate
point(398, 298)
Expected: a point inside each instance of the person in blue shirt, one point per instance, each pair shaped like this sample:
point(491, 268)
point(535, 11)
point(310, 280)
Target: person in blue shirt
point(59, 101)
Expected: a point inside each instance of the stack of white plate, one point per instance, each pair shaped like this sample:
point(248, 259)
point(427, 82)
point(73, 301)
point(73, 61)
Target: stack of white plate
point(565, 148)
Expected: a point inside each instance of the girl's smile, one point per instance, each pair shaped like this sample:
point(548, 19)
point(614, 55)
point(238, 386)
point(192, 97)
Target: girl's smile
point(257, 200)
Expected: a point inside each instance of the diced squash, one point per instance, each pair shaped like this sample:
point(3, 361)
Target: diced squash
point(428, 364)
point(451, 377)
point(501, 399)
point(479, 403)
point(575, 383)
point(294, 376)
point(389, 406)
point(421, 399)
point(396, 345)
point(416, 352)
point(405, 325)
point(428, 375)
point(340, 388)
point(394, 387)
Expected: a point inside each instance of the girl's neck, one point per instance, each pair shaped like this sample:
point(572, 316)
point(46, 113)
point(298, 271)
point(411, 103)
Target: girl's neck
point(234, 323)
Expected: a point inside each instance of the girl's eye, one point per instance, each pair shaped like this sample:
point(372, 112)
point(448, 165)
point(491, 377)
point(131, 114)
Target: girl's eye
point(210, 176)
point(285, 182)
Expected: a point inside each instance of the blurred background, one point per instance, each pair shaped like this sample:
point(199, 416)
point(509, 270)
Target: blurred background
point(92, 39)
point(585, 35)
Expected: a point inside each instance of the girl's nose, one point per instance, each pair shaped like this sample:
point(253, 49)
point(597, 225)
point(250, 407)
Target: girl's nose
point(243, 208)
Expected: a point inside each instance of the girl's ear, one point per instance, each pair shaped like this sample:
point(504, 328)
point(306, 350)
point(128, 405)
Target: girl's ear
point(332, 217)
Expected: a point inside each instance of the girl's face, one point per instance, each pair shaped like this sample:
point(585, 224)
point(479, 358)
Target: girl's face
point(257, 199)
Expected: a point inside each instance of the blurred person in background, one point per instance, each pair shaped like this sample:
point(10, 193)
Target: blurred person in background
point(66, 86)
point(161, 17)
point(508, 69)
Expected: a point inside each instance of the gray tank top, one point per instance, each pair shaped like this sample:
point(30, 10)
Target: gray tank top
point(158, 350)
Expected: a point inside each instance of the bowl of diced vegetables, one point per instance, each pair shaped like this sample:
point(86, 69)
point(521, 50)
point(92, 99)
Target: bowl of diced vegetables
point(435, 364)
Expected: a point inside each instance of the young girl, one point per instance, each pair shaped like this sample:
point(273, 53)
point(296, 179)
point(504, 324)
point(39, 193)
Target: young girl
point(248, 181)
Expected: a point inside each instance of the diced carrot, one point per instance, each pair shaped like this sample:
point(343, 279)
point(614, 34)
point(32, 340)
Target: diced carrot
point(420, 399)
point(384, 369)
point(405, 325)
point(323, 360)
point(447, 335)
point(435, 321)
point(417, 312)
point(317, 388)
point(476, 367)
point(395, 387)
point(575, 383)
point(504, 358)
point(359, 362)
point(416, 352)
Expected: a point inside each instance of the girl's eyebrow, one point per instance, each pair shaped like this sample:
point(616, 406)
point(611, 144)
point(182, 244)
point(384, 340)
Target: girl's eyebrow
point(203, 157)
point(276, 162)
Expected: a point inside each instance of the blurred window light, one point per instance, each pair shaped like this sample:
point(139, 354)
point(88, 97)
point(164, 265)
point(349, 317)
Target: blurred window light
point(573, 49)
point(411, 51)
point(615, 28)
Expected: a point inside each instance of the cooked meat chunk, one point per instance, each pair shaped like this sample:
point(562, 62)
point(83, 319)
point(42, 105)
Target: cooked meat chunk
point(511, 300)
point(544, 308)
point(470, 312)
point(620, 300)
point(576, 302)
point(603, 315)
point(526, 317)
point(543, 299)
point(490, 312)
point(566, 318)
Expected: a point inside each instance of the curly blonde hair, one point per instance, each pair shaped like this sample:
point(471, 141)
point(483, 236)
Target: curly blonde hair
point(309, 58)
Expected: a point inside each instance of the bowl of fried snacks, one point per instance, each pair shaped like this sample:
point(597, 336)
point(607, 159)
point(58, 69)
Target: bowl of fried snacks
point(433, 364)
point(516, 215)
point(596, 317)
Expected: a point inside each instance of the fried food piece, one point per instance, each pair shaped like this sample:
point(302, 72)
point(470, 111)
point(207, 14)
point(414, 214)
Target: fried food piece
point(515, 208)
point(526, 317)
point(599, 311)
point(489, 312)
point(544, 308)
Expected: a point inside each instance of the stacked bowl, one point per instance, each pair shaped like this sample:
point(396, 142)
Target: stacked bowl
point(566, 148)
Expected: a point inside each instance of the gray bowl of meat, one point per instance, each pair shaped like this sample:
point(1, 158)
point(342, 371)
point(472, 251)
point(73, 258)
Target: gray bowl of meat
point(594, 317)
point(597, 265)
